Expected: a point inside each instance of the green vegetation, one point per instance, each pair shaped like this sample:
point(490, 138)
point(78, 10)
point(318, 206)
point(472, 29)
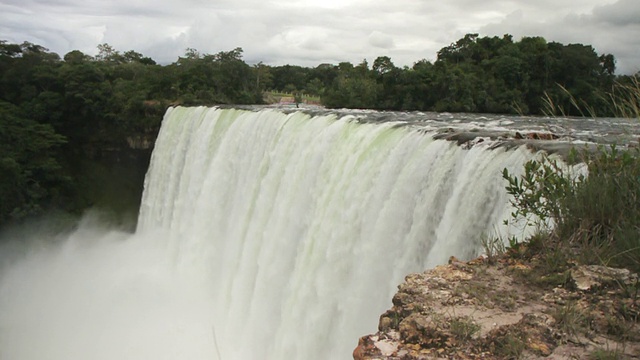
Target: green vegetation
point(58, 115)
point(510, 344)
point(66, 125)
point(596, 218)
point(482, 74)
point(587, 217)
point(31, 174)
point(570, 319)
point(474, 74)
point(590, 216)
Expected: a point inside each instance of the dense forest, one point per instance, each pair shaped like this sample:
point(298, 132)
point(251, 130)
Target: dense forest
point(61, 116)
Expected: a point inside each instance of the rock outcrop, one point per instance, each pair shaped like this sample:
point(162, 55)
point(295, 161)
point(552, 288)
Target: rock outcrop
point(477, 310)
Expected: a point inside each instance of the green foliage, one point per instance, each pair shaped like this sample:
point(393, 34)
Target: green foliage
point(604, 209)
point(535, 193)
point(31, 175)
point(81, 107)
point(473, 74)
point(349, 92)
point(60, 113)
point(597, 216)
point(477, 74)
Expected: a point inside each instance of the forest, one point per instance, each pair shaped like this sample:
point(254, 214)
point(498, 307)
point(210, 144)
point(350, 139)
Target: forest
point(59, 116)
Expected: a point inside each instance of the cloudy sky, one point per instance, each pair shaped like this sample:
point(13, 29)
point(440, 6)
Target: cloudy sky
point(311, 32)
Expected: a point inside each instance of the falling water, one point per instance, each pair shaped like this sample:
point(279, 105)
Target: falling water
point(262, 235)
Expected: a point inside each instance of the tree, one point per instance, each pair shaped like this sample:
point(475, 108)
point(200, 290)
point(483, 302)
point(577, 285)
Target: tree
point(383, 65)
point(31, 175)
point(76, 57)
point(107, 53)
point(9, 50)
point(461, 50)
point(608, 64)
point(289, 75)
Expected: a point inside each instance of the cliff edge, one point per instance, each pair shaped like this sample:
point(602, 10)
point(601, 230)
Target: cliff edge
point(506, 307)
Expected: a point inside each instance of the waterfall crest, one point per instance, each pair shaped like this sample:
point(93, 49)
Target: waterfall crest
point(301, 226)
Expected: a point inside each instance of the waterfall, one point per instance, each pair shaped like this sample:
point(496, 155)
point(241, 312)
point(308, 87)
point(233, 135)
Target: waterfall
point(261, 235)
point(304, 225)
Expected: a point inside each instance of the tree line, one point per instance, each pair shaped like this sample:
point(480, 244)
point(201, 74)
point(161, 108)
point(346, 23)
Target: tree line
point(58, 112)
point(476, 74)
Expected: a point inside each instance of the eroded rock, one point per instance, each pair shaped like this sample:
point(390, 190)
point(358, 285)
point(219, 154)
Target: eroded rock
point(473, 310)
point(588, 277)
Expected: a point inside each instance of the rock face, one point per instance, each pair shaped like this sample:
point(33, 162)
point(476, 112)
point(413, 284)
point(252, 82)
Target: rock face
point(475, 310)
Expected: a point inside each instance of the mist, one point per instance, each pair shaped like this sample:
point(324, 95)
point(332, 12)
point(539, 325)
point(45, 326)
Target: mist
point(97, 293)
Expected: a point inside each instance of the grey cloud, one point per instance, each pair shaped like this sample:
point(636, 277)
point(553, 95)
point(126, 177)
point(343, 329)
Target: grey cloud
point(623, 12)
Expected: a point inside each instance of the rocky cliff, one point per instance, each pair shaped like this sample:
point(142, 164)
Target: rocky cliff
point(504, 309)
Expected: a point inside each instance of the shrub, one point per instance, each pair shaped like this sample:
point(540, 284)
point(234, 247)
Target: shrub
point(598, 215)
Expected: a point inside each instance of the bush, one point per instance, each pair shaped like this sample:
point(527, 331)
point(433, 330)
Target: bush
point(596, 217)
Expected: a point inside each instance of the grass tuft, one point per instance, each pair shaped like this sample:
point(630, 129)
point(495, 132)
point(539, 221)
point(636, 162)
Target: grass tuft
point(463, 328)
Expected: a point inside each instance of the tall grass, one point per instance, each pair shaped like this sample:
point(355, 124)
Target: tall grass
point(626, 98)
point(623, 101)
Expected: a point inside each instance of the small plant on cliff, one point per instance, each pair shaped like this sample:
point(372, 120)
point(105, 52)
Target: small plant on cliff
point(596, 218)
point(536, 193)
point(570, 318)
point(493, 247)
point(463, 328)
point(510, 345)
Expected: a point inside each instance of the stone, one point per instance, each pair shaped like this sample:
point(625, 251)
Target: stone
point(412, 327)
point(421, 326)
point(386, 347)
point(588, 277)
point(385, 323)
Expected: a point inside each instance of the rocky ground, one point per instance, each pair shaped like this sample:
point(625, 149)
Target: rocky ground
point(506, 307)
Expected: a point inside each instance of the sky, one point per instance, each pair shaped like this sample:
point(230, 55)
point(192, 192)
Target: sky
point(310, 32)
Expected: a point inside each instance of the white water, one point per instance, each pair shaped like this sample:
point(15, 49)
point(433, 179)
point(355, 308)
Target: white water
point(261, 235)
